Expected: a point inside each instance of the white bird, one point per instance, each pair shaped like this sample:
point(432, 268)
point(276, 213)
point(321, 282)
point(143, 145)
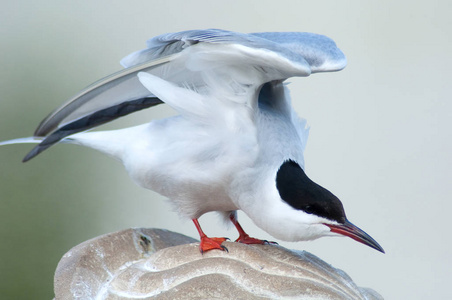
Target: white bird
point(237, 143)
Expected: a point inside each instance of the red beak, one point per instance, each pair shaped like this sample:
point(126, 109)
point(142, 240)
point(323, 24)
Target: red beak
point(352, 231)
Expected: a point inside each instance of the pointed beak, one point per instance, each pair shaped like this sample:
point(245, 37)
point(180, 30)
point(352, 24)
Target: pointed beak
point(352, 231)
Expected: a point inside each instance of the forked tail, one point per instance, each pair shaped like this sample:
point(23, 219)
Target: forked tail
point(27, 140)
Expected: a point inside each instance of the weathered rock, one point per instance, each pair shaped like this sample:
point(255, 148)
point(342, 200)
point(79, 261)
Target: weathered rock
point(159, 264)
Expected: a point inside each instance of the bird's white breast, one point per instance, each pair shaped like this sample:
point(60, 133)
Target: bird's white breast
point(188, 163)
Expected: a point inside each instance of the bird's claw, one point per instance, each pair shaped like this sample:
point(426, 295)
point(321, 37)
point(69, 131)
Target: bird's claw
point(270, 243)
point(208, 244)
point(253, 241)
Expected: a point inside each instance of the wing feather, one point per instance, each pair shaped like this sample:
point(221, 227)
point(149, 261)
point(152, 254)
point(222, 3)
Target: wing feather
point(122, 86)
point(217, 62)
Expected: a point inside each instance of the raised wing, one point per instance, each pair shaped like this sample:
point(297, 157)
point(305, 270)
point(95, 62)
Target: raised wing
point(206, 61)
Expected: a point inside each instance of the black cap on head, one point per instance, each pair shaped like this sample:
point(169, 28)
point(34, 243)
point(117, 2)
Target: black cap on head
point(300, 192)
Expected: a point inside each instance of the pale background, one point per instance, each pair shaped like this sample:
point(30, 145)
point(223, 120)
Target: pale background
point(380, 132)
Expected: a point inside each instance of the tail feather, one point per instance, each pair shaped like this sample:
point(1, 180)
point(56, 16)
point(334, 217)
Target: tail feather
point(27, 140)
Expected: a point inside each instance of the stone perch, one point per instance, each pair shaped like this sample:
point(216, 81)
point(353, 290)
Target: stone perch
point(159, 264)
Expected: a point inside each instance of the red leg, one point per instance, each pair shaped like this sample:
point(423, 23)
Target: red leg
point(208, 243)
point(243, 236)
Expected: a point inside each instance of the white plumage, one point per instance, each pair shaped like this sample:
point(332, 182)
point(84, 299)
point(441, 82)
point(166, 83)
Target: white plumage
point(237, 142)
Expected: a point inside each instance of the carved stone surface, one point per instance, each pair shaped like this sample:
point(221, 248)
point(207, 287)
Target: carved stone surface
point(160, 264)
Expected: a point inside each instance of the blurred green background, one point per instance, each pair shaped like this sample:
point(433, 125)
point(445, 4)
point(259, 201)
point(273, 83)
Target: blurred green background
point(380, 132)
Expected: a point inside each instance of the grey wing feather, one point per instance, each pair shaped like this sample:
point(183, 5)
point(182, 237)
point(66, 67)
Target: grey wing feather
point(110, 91)
point(170, 43)
point(319, 51)
point(302, 52)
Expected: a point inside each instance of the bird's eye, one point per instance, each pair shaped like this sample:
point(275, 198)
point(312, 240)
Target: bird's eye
point(309, 209)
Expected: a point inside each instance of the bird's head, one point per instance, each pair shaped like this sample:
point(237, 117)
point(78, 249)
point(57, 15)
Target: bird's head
point(313, 207)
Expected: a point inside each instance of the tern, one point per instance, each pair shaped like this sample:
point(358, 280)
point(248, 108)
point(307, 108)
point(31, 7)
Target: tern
point(236, 142)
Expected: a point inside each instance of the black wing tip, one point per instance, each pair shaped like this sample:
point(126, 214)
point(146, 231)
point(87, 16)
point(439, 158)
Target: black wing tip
point(90, 121)
point(34, 152)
